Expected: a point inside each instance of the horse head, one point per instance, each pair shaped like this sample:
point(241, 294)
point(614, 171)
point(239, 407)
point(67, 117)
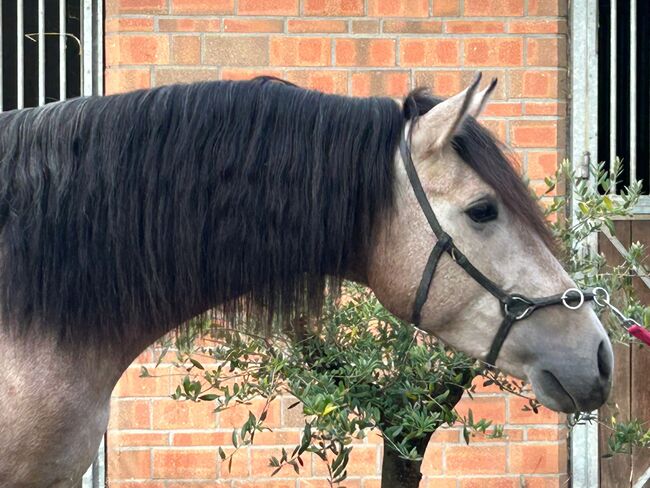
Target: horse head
point(501, 254)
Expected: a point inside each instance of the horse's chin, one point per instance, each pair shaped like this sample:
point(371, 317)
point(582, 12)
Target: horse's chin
point(550, 392)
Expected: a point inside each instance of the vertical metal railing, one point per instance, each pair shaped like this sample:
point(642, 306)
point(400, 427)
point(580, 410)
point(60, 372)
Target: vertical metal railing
point(96, 475)
point(633, 88)
point(41, 52)
point(613, 85)
point(62, 51)
point(20, 56)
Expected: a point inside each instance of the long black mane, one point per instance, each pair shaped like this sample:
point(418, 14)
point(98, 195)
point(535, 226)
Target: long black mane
point(144, 209)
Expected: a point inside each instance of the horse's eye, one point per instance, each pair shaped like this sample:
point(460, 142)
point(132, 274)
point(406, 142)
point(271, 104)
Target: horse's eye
point(483, 211)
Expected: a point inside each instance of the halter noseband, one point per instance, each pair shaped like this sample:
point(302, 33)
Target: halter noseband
point(514, 307)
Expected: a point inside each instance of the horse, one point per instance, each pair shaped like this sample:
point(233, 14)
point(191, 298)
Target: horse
point(123, 216)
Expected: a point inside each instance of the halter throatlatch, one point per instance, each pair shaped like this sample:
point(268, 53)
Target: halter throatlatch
point(514, 307)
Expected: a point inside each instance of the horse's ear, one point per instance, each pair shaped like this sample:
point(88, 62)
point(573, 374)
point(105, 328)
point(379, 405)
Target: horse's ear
point(437, 127)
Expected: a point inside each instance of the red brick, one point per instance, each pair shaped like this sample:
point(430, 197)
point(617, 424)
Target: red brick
point(189, 25)
point(538, 458)
point(403, 8)
point(428, 52)
point(444, 8)
point(118, 439)
point(441, 83)
point(546, 482)
point(211, 484)
point(132, 385)
point(137, 49)
point(139, 484)
point(493, 52)
point(502, 109)
point(490, 482)
point(518, 416)
point(185, 464)
point(267, 483)
point(494, 8)
point(384, 83)
point(475, 459)
point(528, 26)
point(537, 84)
point(474, 27)
point(300, 51)
point(141, 6)
point(546, 108)
point(413, 26)
point(129, 464)
point(247, 74)
point(334, 8)
point(130, 414)
point(547, 7)
point(546, 52)
point(123, 80)
point(253, 25)
point(328, 81)
point(365, 52)
point(489, 408)
point(186, 49)
point(168, 76)
point(365, 26)
point(267, 7)
point(446, 435)
point(128, 24)
point(438, 482)
point(547, 434)
point(278, 438)
point(207, 7)
point(317, 26)
point(374, 483)
point(236, 51)
point(535, 134)
point(323, 483)
point(173, 414)
point(432, 462)
point(191, 439)
point(542, 164)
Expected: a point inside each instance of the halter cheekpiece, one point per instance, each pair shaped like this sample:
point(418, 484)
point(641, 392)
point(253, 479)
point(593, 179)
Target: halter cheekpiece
point(514, 307)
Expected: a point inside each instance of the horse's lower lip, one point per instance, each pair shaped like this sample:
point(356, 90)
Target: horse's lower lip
point(552, 393)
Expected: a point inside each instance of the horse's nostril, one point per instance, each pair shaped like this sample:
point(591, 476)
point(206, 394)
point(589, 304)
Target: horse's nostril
point(604, 360)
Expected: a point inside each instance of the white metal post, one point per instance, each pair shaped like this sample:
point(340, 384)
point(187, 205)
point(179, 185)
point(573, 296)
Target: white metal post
point(584, 141)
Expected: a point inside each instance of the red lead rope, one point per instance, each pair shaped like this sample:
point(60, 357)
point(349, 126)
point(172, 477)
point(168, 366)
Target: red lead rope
point(640, 333)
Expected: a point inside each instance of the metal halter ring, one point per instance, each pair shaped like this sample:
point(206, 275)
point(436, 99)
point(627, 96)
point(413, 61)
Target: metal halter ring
point(605, 296)
point(523, 314)
point(565, 297)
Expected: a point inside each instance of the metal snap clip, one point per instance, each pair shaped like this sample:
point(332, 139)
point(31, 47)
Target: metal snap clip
point(603, 300)
point(566, 297)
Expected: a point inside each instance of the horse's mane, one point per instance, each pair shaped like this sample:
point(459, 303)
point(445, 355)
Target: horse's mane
point(144, 209)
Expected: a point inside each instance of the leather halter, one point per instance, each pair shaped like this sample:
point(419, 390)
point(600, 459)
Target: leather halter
point(514, 307)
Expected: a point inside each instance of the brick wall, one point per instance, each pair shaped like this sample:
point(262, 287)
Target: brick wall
point(356, 47)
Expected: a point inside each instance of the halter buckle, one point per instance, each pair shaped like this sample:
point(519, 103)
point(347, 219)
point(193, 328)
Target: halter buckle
point(526, 312)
